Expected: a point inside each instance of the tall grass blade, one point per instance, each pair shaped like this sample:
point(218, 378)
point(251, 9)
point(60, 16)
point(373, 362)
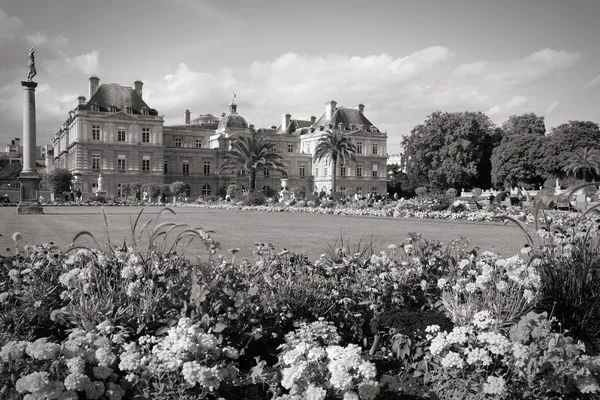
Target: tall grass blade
point(519, 224)
point(84, 233)
point(105, 218)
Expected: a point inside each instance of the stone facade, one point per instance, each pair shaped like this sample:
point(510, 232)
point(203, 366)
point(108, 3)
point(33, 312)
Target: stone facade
point(115, 133)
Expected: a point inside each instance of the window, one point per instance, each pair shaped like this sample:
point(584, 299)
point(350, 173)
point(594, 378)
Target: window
point(95, 108)
point(302, 170)
point(316, 171)
point(206, 167)
point(186, 167)
point(374, 148)
point(375, 168)
point(112, 109)
point(165, 166)
point(177, 142)
point(198, 143)
point(145, 111)
point(342, 170)
point(358, 147)
point(325, 171)
point(121, 135)
point(265, 172)
point(343, 189)
point(206, 190)
point(145, 163)
point(359, 190)
point(146, 135)
point(95, 132)
point(129, 110)
point(188, 191)
point(274, 149)
point(359, 170)
point(290, 148)
point(121, 162)
point(284, 173)
point(95, 161)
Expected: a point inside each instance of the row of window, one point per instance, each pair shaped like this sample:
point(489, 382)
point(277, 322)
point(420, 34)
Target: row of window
point(198, 143)
point(113, 109)
point(343, 171)
point(121, 162)
point(359, 148)
point(185, 167)
point(121, 134)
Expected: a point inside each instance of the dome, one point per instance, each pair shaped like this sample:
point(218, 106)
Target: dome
point(233, 120)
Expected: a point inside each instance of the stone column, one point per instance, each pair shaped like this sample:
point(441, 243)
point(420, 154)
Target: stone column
point(29, 178)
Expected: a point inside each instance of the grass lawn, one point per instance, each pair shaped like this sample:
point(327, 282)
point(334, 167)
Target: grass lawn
point(306, 233)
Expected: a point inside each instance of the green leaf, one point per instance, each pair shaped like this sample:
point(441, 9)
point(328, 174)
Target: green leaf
point(219, 327)
point(161, 331)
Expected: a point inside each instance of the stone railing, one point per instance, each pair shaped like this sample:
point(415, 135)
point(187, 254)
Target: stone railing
point(14, 185)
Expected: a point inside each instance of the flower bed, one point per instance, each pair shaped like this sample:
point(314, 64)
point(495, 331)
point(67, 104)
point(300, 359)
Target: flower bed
point(421, 318)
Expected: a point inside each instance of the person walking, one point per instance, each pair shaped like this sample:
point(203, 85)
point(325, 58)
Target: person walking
point(78, 197)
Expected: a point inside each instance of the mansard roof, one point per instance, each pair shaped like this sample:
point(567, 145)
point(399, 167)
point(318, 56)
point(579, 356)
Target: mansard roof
point(118, 96)
point(294, 126)
point(345, 116)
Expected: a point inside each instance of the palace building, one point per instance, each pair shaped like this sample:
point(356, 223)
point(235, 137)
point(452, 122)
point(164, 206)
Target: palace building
point(116, 134)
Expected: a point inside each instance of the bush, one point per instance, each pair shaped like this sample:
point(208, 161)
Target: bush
point(221, 192)
point(421, 191)
point(234, 191)
point(152, 189)
point(254, 199)
point(451, 192)
point(314, 198)
point(59, 180)
point(299, 192)
point(177, 188)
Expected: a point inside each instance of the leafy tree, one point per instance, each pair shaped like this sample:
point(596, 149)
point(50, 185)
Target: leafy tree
point(9, 171)
point(234, 191)
point(335, 146)
point(452, 150)
point(177, 188)
point(136, 188)
point(567, 138)
point(152, 189)
point(525, 124)
point(399, 182)
point(517, 159)
point(584, 160)
point(249, 152)
point(59, 180)
point(165, 191)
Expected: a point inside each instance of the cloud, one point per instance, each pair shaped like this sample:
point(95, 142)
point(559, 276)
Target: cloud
point(475, 68)
point(36, 39)
point(551, 107)
point(87, 63)
point(513, 104)
point(8, 25)
point(595, 82)
point(61, 40)
point(546, 63)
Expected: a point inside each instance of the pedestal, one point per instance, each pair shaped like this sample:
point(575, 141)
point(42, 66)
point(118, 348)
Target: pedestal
point(101, 194)
point(30, 185)
point(284, 195)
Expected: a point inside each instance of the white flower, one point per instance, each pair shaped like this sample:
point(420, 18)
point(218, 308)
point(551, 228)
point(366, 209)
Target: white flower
point(441, 283)
point(315, 393)
point(470, 287)
point(368, 391)
point(42, 350)
point(36, 382)
point(483, 320)
point(13, 350)
point(77, 381)
point(495, 386)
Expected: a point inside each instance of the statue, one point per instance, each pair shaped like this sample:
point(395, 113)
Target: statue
point(233, 99)
point(32, 71)
point(99, 183)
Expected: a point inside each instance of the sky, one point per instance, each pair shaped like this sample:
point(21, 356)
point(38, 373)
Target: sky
point(402, 59)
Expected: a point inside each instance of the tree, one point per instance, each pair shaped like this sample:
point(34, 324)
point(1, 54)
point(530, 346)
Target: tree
point(249, 152)
point(177, 188)
point(9, 171)
point(564, 139)
point(517, 159)
point(59, 180)
point(584, 160)
point(452, 150)
point(335, 146)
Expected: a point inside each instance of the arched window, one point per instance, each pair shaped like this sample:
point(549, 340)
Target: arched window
point(206, 190)
point(266, 189)
point(243, 189)
point(343, 189)
point(188, 191)
point(119, 190)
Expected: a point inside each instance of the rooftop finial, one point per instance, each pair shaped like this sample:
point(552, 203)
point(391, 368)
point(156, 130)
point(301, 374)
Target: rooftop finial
point(233, 99)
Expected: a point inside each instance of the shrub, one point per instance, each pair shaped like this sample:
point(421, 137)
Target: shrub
point(420, 191)
point(234, 191)
point(152, 189)
point(451, 192)
point(59, 180)
point(254, 199)
point(476, 192)
point(314, 198)
point(299, 192)
point(177, 188)
point(221, 192)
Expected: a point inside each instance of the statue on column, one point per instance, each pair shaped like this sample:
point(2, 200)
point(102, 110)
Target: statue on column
point(32, 71)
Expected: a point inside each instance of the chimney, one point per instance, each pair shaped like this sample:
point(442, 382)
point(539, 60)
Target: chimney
point(137, 86)
point(285, 121)
point(187, 117)
point(352, 127)
point(312, 119)
point(361, 108)
point(330, 108)
point(94, 85)
point(81, 100)
point(341, 126)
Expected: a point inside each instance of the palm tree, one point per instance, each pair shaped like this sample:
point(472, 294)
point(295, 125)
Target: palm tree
point(249, 152)
point(583, 159)
point(335, 146)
